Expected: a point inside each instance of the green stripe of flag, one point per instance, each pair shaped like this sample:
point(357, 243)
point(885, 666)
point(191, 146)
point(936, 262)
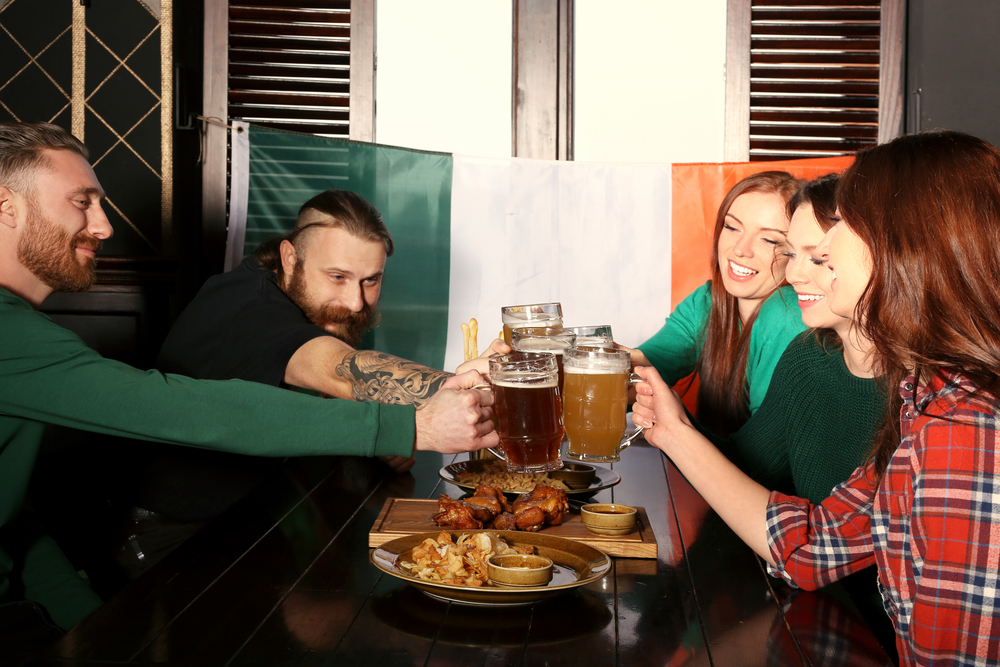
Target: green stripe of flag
point(412, 190)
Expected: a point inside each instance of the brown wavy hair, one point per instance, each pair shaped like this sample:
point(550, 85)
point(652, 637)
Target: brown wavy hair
point(722, 403)
point(927, 206)
point(333, 208)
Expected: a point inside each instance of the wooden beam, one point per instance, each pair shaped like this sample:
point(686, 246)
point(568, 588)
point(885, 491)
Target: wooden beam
point(363, 63)
point(215, 89)
point(737, 130)
point(891, 75)
point(542, 113)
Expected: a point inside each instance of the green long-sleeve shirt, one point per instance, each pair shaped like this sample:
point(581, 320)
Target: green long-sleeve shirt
point(675, 349)
point(815, 425)
point(50, 376)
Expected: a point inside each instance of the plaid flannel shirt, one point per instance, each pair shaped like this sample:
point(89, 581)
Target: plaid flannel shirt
point(933, 527)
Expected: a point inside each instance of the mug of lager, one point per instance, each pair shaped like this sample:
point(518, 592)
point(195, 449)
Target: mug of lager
point(531, 315)
point(595, 400)
point(544, 339)
point(528, 410)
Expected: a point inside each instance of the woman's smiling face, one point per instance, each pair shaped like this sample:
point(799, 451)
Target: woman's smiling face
point(752, 234)
point(806, 270)
point(850, 264)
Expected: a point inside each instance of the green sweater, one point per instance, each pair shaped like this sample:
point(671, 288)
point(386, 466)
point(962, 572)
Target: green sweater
point(50, 376)
point(814, 427)
point(675, 349)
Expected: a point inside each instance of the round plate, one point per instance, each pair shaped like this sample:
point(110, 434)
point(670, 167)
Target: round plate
point(604, 479)
point(574, 564)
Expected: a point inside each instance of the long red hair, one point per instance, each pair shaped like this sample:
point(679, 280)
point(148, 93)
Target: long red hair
point(722, 402)
point(927, 206)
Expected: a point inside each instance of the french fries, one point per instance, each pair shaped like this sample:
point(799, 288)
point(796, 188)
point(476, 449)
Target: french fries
point(470, 346)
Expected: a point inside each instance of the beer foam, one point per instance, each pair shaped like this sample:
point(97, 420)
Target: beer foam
point(526, 380)
point(542, 344)
point(532, 320)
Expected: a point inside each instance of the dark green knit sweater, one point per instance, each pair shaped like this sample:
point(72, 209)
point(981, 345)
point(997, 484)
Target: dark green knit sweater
point(814, 426)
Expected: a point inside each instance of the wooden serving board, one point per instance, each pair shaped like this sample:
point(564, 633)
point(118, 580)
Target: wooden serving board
point(407, 516)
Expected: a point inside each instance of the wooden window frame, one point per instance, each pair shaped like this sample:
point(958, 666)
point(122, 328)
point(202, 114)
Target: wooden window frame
point(215, 103)
point(891, 76)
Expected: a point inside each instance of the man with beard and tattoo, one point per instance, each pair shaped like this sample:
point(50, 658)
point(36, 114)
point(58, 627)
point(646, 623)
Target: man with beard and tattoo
point(290, 315)
point(51, 225)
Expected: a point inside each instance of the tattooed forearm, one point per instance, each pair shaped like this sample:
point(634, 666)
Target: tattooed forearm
point(381, 377)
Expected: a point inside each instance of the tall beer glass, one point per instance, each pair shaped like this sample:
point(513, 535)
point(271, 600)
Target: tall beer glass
point(528, 407)
point(597, 381)
point(547, 339)
point(531, 315)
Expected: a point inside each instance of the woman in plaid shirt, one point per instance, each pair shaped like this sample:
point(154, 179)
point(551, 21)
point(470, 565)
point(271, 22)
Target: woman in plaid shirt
point(916, 262)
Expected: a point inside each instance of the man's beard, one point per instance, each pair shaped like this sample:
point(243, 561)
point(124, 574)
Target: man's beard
point(47, 251)
point(342, 322)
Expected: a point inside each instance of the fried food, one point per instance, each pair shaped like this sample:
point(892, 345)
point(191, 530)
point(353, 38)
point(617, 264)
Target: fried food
point(495, 474)
point(461, 563)
point(470, 344)
point(488, 507)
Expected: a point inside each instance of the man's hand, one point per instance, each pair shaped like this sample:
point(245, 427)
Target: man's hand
point(482, 362)
point(399, 464)
point(457, 418)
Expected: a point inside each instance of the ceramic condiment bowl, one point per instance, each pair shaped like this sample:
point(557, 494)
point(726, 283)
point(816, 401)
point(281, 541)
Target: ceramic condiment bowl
point(575, 475)
point(519, 570)
point(608, 518)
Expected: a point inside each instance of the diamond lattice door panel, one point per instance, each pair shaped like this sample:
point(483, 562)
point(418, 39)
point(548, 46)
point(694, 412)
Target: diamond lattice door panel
point(104, 72)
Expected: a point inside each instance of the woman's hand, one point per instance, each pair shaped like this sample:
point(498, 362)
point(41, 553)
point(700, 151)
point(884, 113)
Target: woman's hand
point(657, 409)
point(482, 362)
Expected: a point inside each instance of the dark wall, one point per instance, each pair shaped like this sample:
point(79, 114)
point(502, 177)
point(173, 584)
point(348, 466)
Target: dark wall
point(953, 66)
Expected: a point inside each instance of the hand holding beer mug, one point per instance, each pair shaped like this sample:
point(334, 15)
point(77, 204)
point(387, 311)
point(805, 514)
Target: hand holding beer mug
point(595, 400)
point(531, 315)
point(528, 409)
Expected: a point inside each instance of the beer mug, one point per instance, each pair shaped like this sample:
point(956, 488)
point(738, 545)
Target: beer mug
point(599, 335)
point(528, 410)
point(544, 339)
point(595, 401)
point(531, 315)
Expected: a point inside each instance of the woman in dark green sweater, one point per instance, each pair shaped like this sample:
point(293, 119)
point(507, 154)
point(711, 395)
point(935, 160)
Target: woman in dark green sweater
point(816, 422)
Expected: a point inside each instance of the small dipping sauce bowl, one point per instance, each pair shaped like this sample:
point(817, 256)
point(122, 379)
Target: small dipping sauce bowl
point(519, 570)
point(575, 475)
point(608, 518)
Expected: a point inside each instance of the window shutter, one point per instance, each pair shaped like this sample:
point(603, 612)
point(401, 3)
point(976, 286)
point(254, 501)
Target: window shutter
point(289, 64)
point(814, 77)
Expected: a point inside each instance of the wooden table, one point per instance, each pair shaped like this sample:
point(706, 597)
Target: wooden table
point(284, 578)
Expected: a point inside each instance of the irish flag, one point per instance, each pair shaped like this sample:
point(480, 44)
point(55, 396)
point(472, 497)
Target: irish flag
point(615, 244)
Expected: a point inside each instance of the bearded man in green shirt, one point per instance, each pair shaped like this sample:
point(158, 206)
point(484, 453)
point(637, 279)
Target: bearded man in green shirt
point(51, 226)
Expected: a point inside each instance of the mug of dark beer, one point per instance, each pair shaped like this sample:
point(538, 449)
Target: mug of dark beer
point(544, 339)
point(528, 410)
point(530, 315)
point(595, 401)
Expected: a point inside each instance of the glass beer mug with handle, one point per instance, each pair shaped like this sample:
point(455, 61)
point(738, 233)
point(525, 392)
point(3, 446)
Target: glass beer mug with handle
point(528, 410)
point(530, 315)
point(595, 401)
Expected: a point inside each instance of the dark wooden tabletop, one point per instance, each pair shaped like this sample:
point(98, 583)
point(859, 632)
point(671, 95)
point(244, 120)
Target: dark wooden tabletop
point(284, 578)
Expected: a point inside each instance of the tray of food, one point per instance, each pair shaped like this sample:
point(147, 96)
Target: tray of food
point(452, 565)
point(408, 516)
point(470, 474)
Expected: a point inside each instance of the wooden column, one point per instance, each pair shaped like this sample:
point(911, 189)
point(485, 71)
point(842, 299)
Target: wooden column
point(215, 101)
point(542, 112)
point(737, 138)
